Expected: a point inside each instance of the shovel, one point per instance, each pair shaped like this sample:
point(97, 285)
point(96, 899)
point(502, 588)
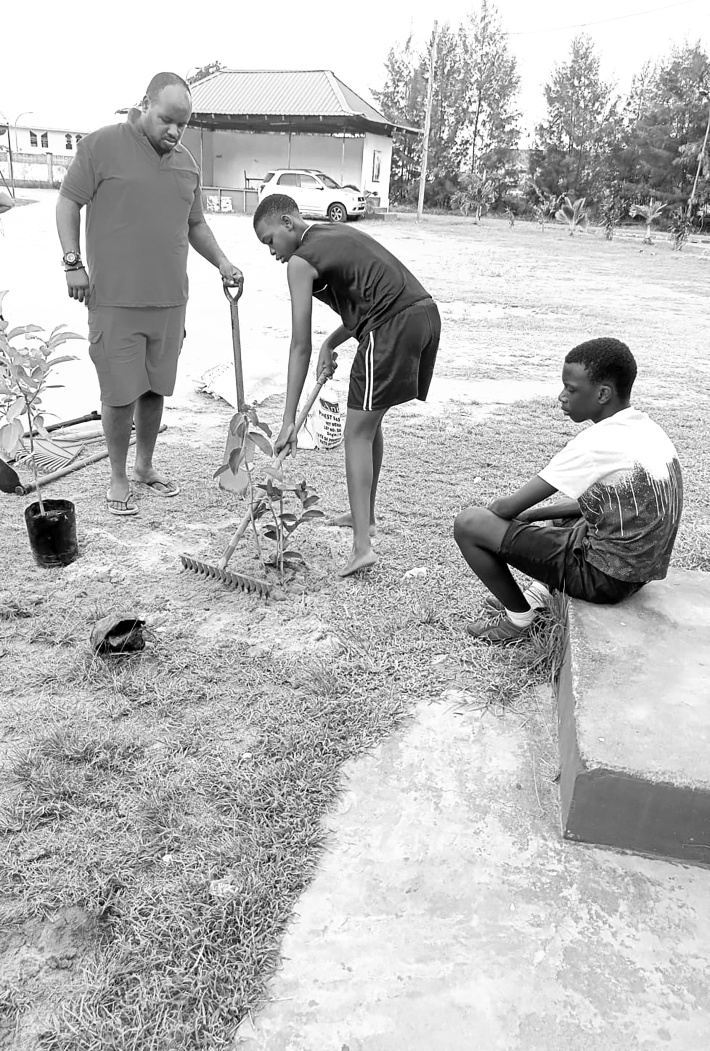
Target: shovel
point(227, 480)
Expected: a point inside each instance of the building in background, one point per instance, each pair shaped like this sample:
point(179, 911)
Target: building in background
point(247, 122)
point(36, 155)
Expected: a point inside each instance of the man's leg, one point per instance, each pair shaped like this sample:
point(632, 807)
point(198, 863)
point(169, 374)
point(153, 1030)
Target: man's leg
point(363, 461)
point(117, 421)
point(479, 534)
point(148, 414)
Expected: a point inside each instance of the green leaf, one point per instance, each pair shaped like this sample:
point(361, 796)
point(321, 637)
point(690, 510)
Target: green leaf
point(16, 407)
point(221, 470)
point(265, 428)
point(312, 513)
point(275, 472)
point(261, 442)
point(235, 458)
point(270, 533)
point(22, 330)
point(62, 359)
point(288, 519)
point(311, 500)
point(293, 556)
point(237, 425)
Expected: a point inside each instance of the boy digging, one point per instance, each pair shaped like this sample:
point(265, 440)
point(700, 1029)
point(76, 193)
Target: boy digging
point(394, 320)
point(624, 476)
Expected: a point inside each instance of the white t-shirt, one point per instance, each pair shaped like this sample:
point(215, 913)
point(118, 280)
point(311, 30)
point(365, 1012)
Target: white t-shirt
point(624, 471)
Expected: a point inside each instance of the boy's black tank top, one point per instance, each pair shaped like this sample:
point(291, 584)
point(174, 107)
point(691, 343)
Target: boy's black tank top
point(358, 277)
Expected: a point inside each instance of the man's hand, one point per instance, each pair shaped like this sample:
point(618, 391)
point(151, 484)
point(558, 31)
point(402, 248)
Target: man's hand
point(286, 438)
point(327, 361)
point(232, 277)
point(78, 285)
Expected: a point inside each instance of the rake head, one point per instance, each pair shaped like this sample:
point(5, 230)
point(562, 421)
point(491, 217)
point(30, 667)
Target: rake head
point(233, 580)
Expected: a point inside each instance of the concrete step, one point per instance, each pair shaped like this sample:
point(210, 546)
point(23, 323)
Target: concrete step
point(634, 718)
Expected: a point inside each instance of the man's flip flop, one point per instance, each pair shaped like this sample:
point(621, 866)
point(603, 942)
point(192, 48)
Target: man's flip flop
point(123, 508)
point(162, 488)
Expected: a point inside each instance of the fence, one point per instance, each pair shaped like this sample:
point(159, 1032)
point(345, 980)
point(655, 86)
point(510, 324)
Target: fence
point(229, 201)
point(32, 169)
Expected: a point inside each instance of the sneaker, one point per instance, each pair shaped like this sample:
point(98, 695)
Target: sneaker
point(537, 595)
point(499, 630)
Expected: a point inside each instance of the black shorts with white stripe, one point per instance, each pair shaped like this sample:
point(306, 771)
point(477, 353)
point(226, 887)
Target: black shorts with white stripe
point(395, 362)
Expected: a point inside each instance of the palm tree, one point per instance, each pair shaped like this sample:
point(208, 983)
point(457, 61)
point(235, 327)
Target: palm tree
point(477, 191)
point(650, 213)
point(572, 213)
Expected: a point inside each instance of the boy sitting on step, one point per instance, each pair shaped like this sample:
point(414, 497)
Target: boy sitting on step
point(625, 482)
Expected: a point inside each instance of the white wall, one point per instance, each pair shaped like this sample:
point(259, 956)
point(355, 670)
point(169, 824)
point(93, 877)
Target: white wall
point(57, 141)
point(227, 155)
point(381, 144)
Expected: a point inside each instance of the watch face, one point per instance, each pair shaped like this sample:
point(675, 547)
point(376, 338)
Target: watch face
point(71, 258)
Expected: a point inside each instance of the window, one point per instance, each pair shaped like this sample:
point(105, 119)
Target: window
point(289, 179)
point(375, 165)
point(68, 140)
point(78, 138)
point(45, 140)
point(33, 138)
point(308, 182)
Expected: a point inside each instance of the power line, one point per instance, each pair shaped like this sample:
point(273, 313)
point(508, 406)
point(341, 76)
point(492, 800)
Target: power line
point(601, 21)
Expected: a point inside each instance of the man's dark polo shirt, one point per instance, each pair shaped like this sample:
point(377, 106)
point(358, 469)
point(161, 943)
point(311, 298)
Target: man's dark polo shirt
point(138, 206)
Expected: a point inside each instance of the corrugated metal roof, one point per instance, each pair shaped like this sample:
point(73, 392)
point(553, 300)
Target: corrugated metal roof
point(288, 93)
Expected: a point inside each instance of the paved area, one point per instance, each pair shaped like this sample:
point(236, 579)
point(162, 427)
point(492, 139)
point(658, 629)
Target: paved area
point(449, 915)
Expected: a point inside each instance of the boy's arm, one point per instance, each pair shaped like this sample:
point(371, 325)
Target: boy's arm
point(327, 356)
point(300, 282)
point(560, 509)
point(528, 495)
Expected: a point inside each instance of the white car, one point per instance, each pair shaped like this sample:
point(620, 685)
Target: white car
point(315, 193)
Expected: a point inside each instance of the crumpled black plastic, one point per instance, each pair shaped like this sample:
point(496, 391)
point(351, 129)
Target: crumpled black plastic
point(117, 634)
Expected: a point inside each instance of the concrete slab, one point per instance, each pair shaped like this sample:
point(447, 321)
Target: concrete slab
point(634, 712)
point(449, 915)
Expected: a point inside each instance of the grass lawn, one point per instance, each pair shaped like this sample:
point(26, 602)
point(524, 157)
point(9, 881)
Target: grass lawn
point(160, 815)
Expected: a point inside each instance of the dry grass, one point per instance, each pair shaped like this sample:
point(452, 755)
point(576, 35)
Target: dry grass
point(169, 805)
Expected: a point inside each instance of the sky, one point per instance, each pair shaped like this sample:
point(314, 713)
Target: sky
point(72, 66)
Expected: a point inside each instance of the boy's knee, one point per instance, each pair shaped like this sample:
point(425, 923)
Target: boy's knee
point(468, 524)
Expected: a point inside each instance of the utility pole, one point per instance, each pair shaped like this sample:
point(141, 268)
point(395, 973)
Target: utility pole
point(427, 121)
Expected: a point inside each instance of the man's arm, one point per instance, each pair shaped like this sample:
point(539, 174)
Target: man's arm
point(68, 227)
point(560, 509)
point(205, 243)
point(300, 282)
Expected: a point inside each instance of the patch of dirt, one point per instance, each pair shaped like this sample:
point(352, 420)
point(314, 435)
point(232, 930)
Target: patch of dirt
point(41, 962)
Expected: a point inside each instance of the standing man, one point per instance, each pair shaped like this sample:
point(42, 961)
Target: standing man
point(141, 189)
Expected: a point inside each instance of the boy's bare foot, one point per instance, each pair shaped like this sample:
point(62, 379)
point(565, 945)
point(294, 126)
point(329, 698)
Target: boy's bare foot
point(358, 561)
point(346, 522)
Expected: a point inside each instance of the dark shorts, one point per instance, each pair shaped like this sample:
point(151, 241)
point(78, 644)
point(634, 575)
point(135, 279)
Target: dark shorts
point(555, 555)
point(135, 350)
point(395, 362)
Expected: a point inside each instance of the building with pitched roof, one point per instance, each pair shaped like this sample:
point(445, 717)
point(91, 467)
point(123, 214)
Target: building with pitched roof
point(247, 122)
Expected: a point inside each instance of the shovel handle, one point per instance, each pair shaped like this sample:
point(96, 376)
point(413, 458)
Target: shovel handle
point(237, 295)
point(276, 462)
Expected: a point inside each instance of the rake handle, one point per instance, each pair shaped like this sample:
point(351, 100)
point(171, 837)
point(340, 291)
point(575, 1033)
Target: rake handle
point(276, 462)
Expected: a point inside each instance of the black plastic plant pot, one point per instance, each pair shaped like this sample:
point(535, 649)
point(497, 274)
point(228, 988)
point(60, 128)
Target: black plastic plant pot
point(52, 534)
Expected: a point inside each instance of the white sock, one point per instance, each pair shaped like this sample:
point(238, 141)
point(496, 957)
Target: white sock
point(537, 595)
point(521, 620)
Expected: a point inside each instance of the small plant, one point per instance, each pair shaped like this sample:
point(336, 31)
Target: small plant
point(510, 215)
point(650, 212)
point(612, 211)
point(573, 213)
point(267, 500)
point(681, 225)
point(477, 192)
point(24, 372)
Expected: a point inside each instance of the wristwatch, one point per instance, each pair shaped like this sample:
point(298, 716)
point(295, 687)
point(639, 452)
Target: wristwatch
point(72, 261)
